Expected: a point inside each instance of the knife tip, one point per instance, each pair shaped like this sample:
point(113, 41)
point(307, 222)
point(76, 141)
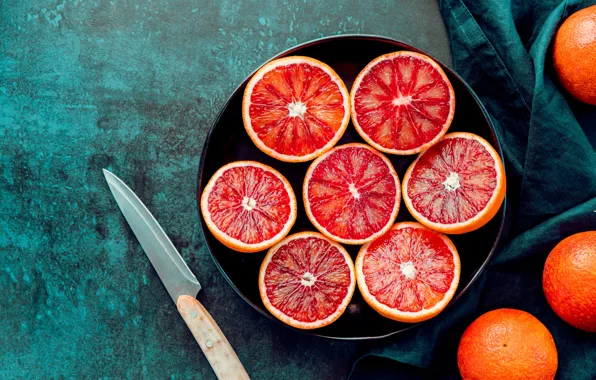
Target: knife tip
point(108, 175)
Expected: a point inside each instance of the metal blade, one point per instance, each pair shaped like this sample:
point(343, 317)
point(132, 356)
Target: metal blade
point(169, 265)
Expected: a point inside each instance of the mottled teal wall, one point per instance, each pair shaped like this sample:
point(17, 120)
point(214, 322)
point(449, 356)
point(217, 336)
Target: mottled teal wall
point(133, 86)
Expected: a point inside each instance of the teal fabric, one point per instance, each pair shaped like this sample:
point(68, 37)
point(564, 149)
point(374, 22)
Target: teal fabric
point(502, 49)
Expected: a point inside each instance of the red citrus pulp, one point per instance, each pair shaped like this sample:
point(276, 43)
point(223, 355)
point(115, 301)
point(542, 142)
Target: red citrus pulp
point(457, 185)
point(352, 194)
point(248, 206)
point(409, 274)
point(295, 108)
point(402, 103)
point(307, 280)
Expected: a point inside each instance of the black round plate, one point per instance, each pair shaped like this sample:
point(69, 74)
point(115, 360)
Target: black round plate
point(227, 141)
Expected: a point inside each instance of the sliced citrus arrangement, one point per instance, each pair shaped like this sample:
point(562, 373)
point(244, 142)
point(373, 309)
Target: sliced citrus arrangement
point(507, 344)
point(295, 108)
point(248, 206)
point(409, 274)
point(307, 280)
point(569, 280)
point(457, 185)
point(352, 194)
point(402, 102)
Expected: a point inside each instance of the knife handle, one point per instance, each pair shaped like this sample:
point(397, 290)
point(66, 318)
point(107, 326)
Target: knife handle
point(215, 346)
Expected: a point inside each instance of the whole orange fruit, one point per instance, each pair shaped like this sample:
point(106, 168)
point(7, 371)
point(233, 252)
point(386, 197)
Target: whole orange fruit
point(569, 280)
point(574, 55)
point(507, 344)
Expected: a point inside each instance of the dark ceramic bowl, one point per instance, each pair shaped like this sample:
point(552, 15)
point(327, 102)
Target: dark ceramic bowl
point(227, 141)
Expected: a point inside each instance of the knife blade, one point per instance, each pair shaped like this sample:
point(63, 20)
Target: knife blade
point(178, 279)
point(169, 265)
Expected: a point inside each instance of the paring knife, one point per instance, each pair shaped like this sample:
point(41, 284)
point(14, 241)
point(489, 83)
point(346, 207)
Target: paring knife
point(179, 281)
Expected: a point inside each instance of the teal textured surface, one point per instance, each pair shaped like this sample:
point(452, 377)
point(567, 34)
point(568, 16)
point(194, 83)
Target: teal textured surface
point(132, 86)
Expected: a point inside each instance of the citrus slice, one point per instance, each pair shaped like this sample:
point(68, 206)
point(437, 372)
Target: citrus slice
point(402, 103)
point(295, 108)
point(457, 185)
point(352, 194)
point(307, 280)
point(248, 206)
point(409, 274)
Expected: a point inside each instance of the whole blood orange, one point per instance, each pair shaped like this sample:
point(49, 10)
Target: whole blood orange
point(248, 206)
point(295, 108)
point(307, 280)
point(402, 103)
point(352, 194)
point(455, 186)
point(409, 274)
point(507, 344)
point(574, 55)
point(569, 280)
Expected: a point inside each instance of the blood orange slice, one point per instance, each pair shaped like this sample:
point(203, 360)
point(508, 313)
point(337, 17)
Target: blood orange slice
point(295, 108)
point(409, 274)
point(402, 103)
point(457, 185)
point(352, 194)
point(248, 206)
point(307, 280)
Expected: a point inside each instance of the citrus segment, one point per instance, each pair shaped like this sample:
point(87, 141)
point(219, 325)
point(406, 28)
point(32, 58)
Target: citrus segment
point(295, 108)
point(248, 206)
point(307, 280)
point(455, 186)
point(402, 103)
point(409, 274)
point(352, 194)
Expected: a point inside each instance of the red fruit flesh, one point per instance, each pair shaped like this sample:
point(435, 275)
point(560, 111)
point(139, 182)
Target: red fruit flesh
point(409, 269)
point(352, 193)
point(307, 279)
point(249, 204)
point(403, 103)
point(296, 109)
point(453, 181)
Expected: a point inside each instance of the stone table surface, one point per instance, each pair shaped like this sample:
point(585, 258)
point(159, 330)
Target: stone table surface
point(133, 86)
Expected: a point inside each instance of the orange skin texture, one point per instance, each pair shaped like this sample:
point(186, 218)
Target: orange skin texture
point(507, 344)
point(574, 55)
point(569, 280)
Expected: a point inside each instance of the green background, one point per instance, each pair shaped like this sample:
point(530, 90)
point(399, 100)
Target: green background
point(133, 86)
